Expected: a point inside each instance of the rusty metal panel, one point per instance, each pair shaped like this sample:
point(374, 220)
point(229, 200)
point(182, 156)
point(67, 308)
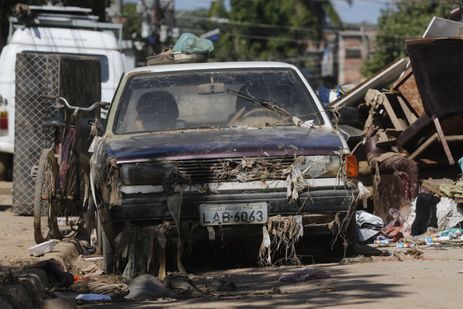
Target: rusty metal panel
point(406, 86)
point(438, 68)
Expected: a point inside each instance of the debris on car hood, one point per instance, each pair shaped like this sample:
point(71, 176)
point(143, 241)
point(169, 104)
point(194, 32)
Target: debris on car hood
point(229, 143)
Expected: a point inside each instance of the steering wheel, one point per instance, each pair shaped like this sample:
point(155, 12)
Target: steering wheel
point(252, 113)
point(236, 117)
point(257, 111)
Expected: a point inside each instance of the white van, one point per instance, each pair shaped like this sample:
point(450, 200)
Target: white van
point(57, 30)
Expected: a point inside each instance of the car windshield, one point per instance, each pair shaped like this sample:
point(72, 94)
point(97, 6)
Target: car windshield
point(210, 99)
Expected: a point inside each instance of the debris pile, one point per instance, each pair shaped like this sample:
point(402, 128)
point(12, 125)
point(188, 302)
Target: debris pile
point(412, 129)
point(280, 236)
point(409, 135)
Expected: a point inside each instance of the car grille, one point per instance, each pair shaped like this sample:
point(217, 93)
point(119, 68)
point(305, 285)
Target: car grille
point(239, 169)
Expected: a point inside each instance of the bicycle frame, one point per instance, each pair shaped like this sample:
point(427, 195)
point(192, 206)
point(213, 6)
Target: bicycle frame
point(62, 189)
point(67, 138)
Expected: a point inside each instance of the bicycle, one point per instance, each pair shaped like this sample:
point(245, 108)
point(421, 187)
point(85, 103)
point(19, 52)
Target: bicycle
point(62, 187)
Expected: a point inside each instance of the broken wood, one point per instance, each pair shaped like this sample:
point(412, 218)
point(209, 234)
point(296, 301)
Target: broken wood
point(423, 146)
point(392, 132)
point(443, 141)
point(411, 117)
point(398, 123)
point(406, 86)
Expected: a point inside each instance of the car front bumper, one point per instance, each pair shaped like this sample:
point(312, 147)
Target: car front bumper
point(151, 208)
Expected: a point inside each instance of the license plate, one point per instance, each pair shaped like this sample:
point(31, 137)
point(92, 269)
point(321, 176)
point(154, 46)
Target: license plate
point(228, 214)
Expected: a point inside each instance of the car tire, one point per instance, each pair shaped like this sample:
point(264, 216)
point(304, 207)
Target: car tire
point(105, 248)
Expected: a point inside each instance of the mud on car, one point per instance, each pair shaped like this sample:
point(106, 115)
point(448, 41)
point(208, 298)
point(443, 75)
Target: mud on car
point(222, 150)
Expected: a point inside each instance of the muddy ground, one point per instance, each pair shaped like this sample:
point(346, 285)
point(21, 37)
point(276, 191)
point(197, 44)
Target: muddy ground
point(430, 281)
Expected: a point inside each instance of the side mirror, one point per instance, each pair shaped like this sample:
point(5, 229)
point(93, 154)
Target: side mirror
point(104, 108)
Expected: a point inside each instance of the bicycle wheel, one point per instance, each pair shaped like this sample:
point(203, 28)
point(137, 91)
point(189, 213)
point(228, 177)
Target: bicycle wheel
point(74, 199)
point(45, 224)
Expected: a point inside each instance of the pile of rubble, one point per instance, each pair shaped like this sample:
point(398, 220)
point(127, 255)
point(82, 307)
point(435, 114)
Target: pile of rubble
point(405, 125)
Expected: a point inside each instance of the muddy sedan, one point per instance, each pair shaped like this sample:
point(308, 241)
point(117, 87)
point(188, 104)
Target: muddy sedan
point(222, 150)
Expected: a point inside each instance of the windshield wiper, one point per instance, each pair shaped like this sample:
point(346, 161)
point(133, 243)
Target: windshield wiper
point(269, 105)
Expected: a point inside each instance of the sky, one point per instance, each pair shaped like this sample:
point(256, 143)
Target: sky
point(359, 11)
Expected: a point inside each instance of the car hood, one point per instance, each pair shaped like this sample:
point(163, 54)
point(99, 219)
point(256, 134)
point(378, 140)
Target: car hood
point(224, 143)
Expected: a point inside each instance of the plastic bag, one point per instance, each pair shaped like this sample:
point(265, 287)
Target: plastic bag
point(190, 44)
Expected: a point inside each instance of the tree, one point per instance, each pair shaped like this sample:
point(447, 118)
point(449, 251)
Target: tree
point(129, 10)
point(408, 19)
point(271, 29)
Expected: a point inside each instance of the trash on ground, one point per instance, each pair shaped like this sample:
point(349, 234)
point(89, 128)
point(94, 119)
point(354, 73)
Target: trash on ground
point(182, 285)
point(146, 287)
point(55, 272)
point(88, 298)
point(42, 248)
point(305, 275)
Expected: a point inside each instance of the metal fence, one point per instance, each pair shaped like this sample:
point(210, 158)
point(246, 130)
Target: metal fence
point(37, 76)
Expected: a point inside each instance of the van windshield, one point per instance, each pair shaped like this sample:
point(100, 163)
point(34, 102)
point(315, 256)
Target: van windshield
point(104, 66)
point(213, 99)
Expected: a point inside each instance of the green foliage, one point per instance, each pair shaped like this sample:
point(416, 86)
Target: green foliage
point(408, 19)
point(271, 29)
point(133, 25)
point(195, 21)
point(218, 9)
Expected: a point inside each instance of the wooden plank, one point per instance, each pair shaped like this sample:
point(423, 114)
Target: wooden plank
point(423, 146)
point(371, 96)
point(381, 136)
point(386, 143)
point(403, 123)
point(411, 117)
point(398, 125)
point(392, 132)
point(454, 138)
point(443, 141)
point(428, 161)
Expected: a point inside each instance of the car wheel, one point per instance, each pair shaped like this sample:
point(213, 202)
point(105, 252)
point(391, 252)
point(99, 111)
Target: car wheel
point(105, 248)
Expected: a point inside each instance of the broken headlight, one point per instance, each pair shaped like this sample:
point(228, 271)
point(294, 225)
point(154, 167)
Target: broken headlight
point(143, 173)
point(320, 166)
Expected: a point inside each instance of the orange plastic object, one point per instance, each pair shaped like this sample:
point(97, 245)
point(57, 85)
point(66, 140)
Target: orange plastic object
point(352, 168)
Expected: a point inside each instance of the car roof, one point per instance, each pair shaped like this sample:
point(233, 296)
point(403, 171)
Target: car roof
point(211, 65)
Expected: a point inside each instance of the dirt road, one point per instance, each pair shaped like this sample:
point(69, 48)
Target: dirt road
point(430, 282)
point(16, 232)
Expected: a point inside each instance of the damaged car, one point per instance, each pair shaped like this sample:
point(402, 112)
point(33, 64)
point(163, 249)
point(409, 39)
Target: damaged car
point(234, 149)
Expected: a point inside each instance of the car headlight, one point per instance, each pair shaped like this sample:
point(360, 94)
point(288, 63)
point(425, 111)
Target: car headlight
point(320, 166)
point(146, 173)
